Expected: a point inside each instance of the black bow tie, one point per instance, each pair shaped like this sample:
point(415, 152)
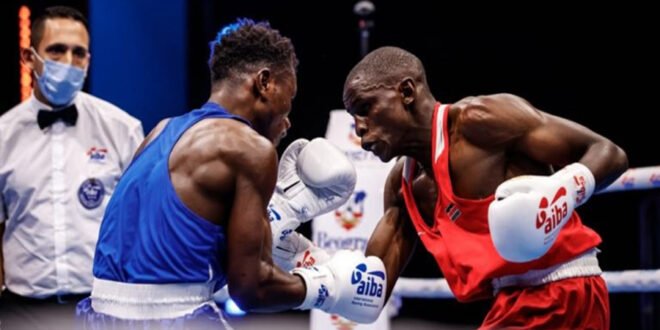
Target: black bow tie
point(69, 115)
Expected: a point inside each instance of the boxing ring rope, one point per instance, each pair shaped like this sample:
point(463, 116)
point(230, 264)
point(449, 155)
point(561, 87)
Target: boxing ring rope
point(617, 281)
point(621, 281)
point(639, 178)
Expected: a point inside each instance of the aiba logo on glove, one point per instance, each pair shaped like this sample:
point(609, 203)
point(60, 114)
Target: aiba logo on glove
point(551, 214)
point(581, 192)
point(272, 214)
point(368, 286)
point(322, 296)
point(308, 260)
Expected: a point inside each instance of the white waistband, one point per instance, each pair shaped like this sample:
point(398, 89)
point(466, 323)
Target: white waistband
point(134, 301)
point(585, 264)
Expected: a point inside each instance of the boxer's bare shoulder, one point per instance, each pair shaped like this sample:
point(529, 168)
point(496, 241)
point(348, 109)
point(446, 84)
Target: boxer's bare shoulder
point(213, 157)
point(495, 120)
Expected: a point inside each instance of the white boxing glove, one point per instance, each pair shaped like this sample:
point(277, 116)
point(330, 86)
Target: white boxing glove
point(314, 177)
point(529, 211)
point(296, 250)
point(349, 284)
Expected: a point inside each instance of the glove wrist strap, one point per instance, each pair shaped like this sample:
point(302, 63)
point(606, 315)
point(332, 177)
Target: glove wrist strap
point(318, 290)
point(581, 180)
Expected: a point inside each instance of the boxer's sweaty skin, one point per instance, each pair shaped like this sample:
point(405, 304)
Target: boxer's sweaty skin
point(225, 171)
point(491, 139)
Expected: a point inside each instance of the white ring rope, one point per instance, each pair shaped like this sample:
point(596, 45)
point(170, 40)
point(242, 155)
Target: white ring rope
point(636, 179)
point(633, 281)
point(622, 281)
point(619, 281)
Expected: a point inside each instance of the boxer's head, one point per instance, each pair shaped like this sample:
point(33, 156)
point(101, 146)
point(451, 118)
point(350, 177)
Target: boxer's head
point(263, 62)
point(381, 93)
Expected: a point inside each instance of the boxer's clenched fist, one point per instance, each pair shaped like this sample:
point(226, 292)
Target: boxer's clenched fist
point(529, 211)
point(314, 177)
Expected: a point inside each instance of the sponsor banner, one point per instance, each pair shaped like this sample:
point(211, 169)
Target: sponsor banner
point(350, 226)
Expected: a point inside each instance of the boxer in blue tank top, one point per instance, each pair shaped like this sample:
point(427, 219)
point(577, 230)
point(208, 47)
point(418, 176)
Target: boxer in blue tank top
point(192, 212)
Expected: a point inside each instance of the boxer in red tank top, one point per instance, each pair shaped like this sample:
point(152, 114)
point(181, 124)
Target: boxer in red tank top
point(478, 188)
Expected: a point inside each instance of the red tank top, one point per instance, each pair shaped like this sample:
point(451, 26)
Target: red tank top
point(460, 239)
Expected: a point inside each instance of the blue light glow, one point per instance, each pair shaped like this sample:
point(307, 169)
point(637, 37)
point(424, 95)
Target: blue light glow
point(232, 309)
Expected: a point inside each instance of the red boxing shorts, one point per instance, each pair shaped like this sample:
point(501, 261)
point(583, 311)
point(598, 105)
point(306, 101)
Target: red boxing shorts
point(573, 303)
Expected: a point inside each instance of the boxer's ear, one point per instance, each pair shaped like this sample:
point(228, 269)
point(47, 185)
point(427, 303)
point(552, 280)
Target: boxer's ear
point(263, 82)
point(407, 90)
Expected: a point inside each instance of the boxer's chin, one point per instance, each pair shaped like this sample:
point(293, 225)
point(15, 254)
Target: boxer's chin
point(382, 152)
point(277, 140)
point(385, 158)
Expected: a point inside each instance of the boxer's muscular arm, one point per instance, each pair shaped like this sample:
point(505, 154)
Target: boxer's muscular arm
point(394, 238)
point(253, 281)
point(508, 121)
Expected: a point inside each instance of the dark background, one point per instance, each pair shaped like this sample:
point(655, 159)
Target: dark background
point(596, 66)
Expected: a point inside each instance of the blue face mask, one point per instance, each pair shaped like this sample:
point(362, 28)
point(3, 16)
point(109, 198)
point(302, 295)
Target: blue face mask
point(59, 83)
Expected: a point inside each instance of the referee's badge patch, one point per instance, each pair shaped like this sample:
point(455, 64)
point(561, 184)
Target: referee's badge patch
point(97, 154)
point(90, 193)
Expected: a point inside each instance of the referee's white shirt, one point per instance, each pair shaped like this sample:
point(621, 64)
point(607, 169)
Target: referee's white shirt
point(54, 186)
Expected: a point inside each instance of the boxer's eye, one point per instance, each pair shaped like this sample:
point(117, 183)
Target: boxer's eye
point(361, 109)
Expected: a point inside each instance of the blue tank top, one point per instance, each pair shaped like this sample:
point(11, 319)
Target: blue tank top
point(148, 235)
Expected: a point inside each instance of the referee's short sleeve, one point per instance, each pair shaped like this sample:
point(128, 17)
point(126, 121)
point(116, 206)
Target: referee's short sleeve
point(135, 138)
